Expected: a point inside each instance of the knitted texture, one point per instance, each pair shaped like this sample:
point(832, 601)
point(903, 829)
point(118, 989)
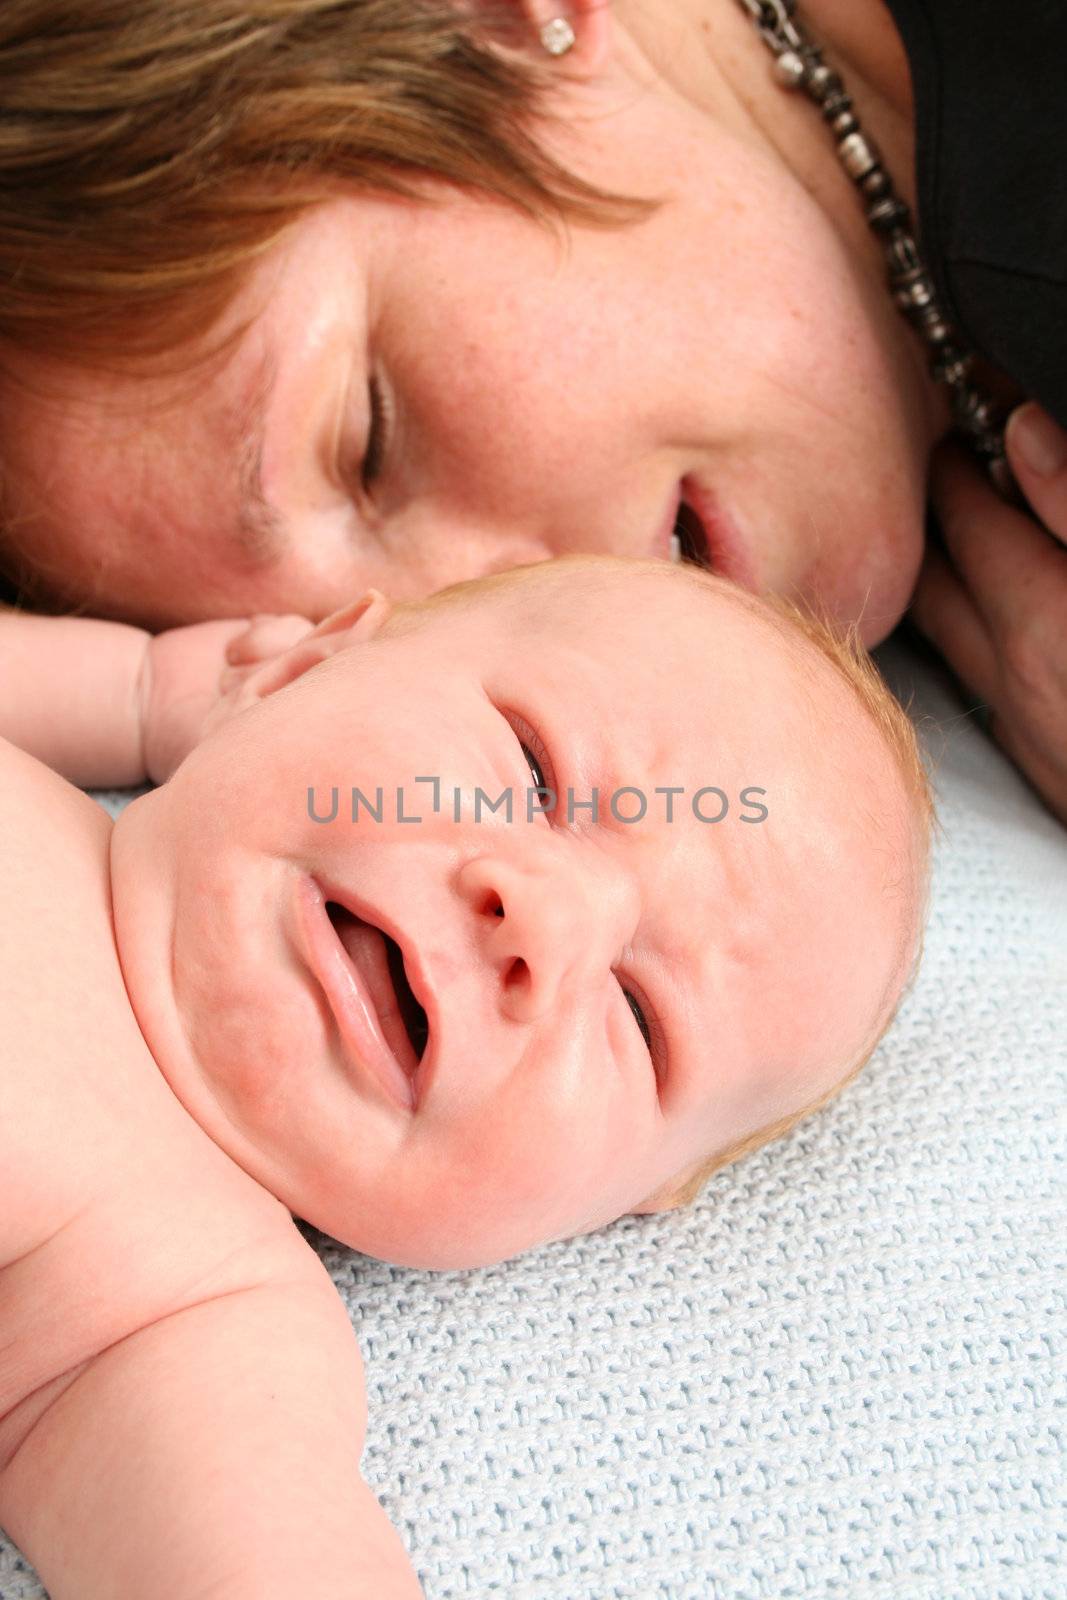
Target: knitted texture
point(842, 1372)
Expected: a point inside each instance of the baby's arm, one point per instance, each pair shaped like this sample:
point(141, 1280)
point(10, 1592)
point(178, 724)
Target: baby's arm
point(69, 695)
point(213, 1455)
point(107, 705)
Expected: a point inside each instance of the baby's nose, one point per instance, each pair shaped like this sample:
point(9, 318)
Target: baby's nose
point(547, 926)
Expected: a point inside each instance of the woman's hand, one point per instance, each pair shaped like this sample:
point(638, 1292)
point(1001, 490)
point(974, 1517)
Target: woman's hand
point(195, 679)
point(994, 603)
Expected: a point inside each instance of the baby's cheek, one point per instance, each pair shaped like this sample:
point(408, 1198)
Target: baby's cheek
point(245, 1046)
point(582, 1129)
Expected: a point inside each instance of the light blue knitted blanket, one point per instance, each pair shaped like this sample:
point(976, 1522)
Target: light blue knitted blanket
point(843, 1372)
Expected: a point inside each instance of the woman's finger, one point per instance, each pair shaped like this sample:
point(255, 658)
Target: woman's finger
point(1005, 558)
point(943, 612)
point(1037, 453)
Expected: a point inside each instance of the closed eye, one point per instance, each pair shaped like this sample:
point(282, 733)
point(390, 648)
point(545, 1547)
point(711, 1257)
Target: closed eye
point(534, 765)
point(639, 1018)
point(378, 432)
point(543, 778)
point(648, 1027)
point(538, 762)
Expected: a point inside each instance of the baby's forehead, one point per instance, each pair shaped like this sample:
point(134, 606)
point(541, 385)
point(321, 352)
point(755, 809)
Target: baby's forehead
point(711, 686)
point(667, 639)
point(623, 608)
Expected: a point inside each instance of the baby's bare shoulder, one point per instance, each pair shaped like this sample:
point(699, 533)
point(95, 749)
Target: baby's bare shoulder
point(116, 1209)
point(79, 1091)
point(59, 998)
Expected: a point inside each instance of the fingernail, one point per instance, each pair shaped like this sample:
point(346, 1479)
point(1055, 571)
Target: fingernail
point(1038, 439)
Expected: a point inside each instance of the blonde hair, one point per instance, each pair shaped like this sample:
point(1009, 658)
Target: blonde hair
point(688, 1192)
point(842, 648)
point(150, 152)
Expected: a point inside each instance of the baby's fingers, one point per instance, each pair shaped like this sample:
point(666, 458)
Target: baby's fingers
point(231, 678)
point(266, 636)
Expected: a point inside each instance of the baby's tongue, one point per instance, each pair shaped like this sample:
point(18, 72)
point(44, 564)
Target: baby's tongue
point(367, 951)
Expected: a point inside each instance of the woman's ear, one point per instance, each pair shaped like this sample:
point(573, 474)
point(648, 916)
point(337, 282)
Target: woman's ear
point(577, 33)
point(353, 623)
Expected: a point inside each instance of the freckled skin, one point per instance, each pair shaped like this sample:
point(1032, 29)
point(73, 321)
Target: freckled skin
point(759, 952)
point(547, 395)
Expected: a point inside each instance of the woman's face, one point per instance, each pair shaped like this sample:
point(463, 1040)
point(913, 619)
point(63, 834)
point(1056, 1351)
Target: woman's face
point(431, 390)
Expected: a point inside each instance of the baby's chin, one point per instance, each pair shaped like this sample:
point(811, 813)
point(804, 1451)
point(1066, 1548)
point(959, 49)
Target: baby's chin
point(400, 1218)
point(461, 1250)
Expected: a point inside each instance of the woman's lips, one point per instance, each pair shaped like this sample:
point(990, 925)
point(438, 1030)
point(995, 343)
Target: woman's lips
point(353, 975)
point(728, 552)
point(664, 546)
point(719, 541)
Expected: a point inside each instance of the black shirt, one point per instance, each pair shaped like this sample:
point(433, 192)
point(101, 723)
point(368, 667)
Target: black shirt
point(990, 89)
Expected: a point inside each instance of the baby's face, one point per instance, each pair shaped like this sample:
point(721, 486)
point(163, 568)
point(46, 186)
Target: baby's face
point(607, 1001)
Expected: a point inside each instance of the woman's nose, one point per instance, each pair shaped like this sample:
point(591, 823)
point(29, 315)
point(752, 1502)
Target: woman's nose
point(546, 924)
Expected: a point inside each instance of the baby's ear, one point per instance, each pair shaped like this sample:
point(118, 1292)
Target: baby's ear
point(359, 619)
point(354, 623)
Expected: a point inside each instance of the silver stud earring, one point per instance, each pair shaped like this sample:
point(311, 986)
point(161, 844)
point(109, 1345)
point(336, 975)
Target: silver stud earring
point(557, 36)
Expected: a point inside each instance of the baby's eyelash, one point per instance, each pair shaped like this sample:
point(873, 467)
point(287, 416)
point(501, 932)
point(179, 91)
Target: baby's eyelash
point(639, 1017)
point(651, 1031)
point(646, 1021)
point(532, 745)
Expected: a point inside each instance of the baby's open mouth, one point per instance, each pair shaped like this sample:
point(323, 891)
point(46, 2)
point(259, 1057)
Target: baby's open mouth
point(380, 962)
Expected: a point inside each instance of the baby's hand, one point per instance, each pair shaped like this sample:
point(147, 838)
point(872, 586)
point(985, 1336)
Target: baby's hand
point(194, 677)
point(266, 635)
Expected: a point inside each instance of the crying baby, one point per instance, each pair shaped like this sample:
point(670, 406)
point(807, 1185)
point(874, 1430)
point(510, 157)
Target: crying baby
point(477, 922)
